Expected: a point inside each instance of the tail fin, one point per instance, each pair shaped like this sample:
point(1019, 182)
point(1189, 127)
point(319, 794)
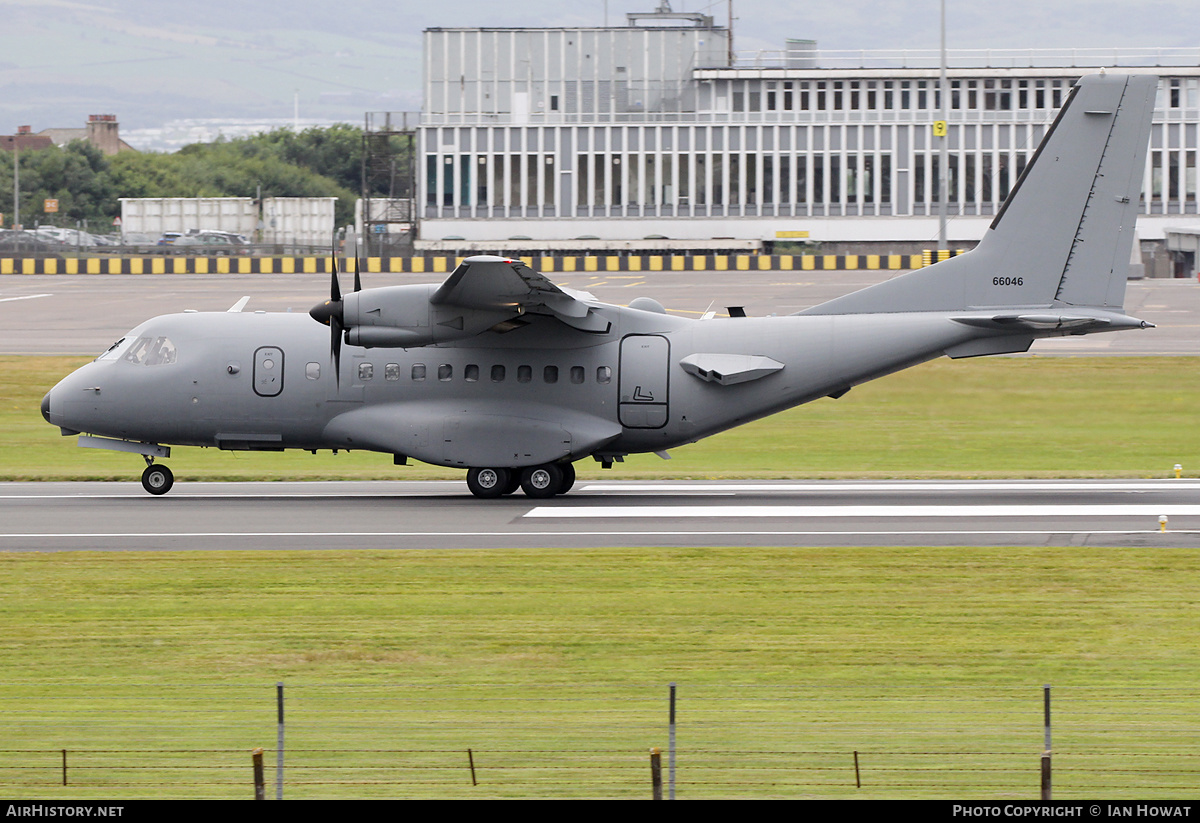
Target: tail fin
point(1064, 235)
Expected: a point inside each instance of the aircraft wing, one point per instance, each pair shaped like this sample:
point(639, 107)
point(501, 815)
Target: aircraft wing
point(497, 283)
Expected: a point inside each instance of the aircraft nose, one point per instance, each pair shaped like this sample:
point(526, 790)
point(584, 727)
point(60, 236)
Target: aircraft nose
point(46, 405)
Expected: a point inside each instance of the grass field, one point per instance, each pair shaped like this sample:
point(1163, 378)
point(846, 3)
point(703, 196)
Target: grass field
point(552, 665)
point(928, 660)
point(1005, 417)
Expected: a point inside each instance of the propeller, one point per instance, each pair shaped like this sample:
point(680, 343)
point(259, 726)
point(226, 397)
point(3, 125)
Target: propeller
point(331, 313)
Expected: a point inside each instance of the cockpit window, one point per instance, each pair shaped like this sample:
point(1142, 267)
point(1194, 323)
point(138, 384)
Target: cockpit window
point(114, 351)
point(152, 351)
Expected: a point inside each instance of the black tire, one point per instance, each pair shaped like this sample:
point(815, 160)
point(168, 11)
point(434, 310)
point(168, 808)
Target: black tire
point(487, 483)
point(157, 479)
point(568, 477)
point(514, 481)
point(541, 482)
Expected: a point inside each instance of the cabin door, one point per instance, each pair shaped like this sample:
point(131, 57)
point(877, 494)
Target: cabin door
point(643, 381)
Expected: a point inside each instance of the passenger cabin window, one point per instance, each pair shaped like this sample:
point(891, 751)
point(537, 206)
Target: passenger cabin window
point(550, 374)
point(391, 372)
point(151, 351)
point(418, 371)
point(497, 374)
point(471, 373)
point(524, 374)
point(366, 371)
point(577, 374)
point(312, 371)
point(603, 374)
point(445, 372)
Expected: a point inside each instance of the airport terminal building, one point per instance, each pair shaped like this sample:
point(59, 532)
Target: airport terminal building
point(655, 133)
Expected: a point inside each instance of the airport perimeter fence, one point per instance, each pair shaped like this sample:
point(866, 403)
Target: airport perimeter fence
point(564, 741)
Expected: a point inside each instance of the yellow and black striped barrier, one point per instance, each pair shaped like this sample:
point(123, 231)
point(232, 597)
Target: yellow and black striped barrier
point(440, 264)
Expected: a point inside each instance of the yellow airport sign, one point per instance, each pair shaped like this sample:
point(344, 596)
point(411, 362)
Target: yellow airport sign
point(939, 128)
point(50, 206)
point(780, 235)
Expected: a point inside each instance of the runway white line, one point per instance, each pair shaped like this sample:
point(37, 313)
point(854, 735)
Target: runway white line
point(23, 297)
point(593, 512)
point(903, 486)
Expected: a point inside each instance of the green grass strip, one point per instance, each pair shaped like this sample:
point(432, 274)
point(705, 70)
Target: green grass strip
point(553, 665)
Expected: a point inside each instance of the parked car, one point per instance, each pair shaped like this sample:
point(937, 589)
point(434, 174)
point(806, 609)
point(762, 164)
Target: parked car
point(217, 242)
point(169, 237)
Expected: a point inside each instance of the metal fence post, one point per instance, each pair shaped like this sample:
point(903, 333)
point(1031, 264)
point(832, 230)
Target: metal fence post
point(671, 749)
point(279, 741)
point(1046, 792)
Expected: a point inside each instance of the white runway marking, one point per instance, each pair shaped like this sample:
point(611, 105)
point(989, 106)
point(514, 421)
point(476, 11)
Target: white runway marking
point(23, 297)
point(1041, 510)
point(901, 486)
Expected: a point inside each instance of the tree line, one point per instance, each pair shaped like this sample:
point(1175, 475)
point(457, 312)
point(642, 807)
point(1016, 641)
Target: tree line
point(315, 162)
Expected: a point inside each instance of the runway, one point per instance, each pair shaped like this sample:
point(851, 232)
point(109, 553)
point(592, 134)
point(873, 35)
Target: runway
point(442, 515)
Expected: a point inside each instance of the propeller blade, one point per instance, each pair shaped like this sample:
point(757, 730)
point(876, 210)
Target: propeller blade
point(352, 238)
point(335, 346)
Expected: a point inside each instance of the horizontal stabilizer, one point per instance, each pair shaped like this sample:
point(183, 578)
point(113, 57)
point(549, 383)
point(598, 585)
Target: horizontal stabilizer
point(1068, 323)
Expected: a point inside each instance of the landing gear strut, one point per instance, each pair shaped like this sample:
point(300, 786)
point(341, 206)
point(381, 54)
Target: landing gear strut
point(157, 479)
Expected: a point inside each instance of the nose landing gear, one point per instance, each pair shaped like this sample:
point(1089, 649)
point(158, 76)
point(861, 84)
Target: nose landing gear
point(157, 478)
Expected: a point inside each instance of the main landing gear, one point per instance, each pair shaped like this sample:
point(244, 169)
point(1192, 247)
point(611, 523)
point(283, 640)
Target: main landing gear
point(539, 482)
point(157, 478)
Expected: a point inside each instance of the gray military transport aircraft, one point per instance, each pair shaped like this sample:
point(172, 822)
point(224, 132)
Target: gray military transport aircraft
point(501, 372)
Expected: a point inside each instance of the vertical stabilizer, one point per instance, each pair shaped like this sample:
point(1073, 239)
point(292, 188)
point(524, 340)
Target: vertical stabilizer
point(1065, 234)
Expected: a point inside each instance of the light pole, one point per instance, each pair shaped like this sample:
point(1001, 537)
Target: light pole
point(16, 189)
point(944, 151)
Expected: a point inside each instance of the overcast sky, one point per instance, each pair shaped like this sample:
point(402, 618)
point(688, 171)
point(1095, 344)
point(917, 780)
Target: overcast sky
point(153, 61)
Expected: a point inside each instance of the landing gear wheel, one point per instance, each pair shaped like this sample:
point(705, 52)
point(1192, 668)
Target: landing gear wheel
point(487, 483)
point(541, 481)
point(568, 478)
point(157, 479)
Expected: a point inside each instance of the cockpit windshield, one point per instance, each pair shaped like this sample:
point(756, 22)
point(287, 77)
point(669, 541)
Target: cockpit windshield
point(151, 351)
point(116, 349)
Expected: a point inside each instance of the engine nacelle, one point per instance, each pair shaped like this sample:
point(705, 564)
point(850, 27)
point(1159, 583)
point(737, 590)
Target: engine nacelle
point(403, 317)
